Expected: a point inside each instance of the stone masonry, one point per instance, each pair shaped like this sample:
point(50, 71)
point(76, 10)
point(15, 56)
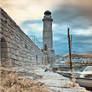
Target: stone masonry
point(16, 48)
point(48, 38)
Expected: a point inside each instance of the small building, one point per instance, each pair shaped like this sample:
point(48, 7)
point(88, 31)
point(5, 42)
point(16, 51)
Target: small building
point(81, 58)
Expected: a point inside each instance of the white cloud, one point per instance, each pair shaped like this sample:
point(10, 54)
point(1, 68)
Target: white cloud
point(33, 29)
point(85, 32)
point(37, 27)
point(21, 10)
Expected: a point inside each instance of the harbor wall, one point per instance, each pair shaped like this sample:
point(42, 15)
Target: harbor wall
point(16, 48)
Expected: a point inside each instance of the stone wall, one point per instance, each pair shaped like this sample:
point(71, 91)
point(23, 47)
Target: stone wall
point(16, 47)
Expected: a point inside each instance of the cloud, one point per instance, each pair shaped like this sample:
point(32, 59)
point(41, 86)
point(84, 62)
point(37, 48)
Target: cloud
point(81, 39)
point(79, 44)
point(76, 14)
point(21, 10)
point(73, 16)
point(84, 32)
point(33, 28)
point(68, 12)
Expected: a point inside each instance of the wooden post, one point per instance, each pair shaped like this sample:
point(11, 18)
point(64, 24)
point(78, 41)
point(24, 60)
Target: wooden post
point(69, 43)
point(70, 58)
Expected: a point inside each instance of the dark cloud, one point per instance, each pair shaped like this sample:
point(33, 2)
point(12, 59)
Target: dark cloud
point(79, 44)
point(75, 16)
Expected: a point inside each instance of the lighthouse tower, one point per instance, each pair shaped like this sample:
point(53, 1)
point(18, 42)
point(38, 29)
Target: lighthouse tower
point(48, 37)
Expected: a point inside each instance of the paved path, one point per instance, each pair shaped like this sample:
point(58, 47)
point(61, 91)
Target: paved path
point(58, 83)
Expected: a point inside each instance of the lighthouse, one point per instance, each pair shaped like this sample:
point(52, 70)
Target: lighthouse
point(48, 37)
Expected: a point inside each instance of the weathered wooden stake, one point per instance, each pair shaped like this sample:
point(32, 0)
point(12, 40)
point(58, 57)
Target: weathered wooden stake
point(69, 42)
point(70, 58)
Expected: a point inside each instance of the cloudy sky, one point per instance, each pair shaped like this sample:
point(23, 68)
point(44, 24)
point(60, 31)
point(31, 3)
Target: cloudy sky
point(75, 14)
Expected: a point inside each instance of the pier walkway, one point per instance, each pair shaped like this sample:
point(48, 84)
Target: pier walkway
point(56, 82)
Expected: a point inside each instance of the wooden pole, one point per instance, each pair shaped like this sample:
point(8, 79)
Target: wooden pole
point(70, 58)
point(69, 43)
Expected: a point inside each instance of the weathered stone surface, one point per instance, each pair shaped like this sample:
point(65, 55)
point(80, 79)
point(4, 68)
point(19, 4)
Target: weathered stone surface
point(19, 47)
